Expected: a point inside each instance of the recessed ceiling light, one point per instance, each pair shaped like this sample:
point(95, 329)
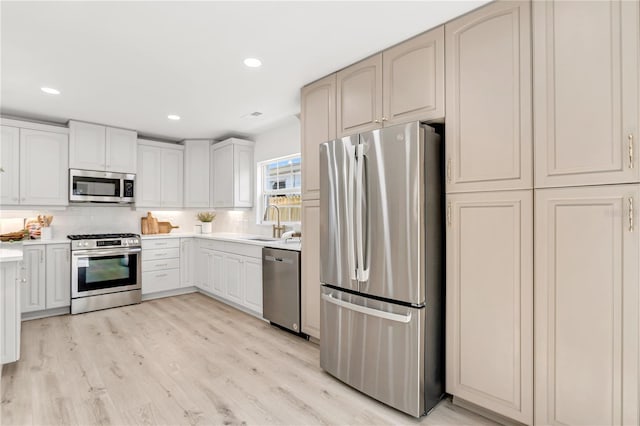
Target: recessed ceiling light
point(173, 117)
point(253, 62)
point(50, 90)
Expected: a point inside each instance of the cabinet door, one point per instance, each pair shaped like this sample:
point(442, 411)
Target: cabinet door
point(196, 173)
point(186, 262)
point(44, 168)
point(253, 284)
point(149, 177)
point(586, 105)
point(488, 99)
point(58, 276)
point(10, 320)
point(218, 283)
point(87, 146)
point(489, 349)
point(243, 176)
point(359, 96)
point(318, 122)
point(33, 290)
point(222, 176)
point(586, 299)
point(202, 268)
point(310, 269)
point(121, 150)
point(10, 166)
point(413, 79)
point(233, 275)
point(172, 178)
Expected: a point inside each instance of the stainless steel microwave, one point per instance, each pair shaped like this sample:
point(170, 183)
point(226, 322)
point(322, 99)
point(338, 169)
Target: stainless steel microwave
point(101, 187)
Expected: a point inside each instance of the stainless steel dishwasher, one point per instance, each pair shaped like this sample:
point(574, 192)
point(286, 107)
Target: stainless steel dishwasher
point(281, 287)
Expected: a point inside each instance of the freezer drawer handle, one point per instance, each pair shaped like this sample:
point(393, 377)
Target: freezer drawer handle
point(367, 311)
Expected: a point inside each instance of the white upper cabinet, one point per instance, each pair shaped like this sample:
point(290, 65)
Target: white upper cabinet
point(413, 79)
point(586, 305)
point(196, 173)
point(171, 187)
point(34, 161)
point(359, 96)
point(318, 121)
point(488, 99)
point(586, 57)
point(121, 150)
point(10, 166)
point(44, 170)
point(159, 179)
point(232, 176)
point(95, 147)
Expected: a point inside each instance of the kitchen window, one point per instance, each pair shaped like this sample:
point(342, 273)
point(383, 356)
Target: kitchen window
point(279, 185)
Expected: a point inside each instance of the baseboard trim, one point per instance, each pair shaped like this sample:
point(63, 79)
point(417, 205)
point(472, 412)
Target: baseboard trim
point(28, 316)
point(491, 415)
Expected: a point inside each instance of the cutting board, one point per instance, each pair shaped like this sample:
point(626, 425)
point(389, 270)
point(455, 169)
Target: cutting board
point(165, 227)
point(149, 224)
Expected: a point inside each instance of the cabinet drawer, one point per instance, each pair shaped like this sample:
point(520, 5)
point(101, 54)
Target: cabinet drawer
point(168, 253)
point(160, 264)
point(160, 280)
point(160, 244)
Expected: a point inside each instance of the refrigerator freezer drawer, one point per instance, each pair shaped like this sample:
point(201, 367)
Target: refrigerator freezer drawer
point(376, 347)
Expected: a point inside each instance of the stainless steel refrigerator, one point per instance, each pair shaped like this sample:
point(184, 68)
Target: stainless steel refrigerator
point(381, 265)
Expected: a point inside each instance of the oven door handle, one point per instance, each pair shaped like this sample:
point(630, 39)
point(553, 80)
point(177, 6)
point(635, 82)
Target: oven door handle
point(105, 252)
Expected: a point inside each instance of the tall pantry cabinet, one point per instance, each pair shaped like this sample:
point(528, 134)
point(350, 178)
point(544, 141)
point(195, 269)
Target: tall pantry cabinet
point(489, 234)
point(587, 182)
point(318, 117)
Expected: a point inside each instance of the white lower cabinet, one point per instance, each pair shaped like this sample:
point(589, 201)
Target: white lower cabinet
point(58, 275)
point(160, 265)
point(586, 305)
point(187, 272)
point(10, 312)
point(253, 284)
point(232, 272)
point(33, 292)
point(489, 301)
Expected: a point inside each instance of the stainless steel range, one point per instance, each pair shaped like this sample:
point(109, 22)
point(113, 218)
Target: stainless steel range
point(105, 271)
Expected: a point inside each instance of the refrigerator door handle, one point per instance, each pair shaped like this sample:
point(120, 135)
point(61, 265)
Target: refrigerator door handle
point(368, 311)
point(351, 195)
point(358, 201)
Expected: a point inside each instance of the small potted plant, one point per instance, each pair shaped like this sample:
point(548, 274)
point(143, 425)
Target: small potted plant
point(206, 218)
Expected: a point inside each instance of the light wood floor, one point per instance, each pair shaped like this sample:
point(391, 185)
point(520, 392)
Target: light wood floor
point(182, 360)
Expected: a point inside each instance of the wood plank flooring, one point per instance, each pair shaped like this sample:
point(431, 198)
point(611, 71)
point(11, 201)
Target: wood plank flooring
point(182, 360)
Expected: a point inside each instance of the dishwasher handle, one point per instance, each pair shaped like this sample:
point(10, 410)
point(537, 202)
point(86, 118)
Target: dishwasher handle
point(278, 259)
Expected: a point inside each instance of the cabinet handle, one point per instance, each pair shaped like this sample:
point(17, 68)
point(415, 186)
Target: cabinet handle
point(630, 138)
point(384, 118)
point(161, 275)
point(67, 255)
point(161, 264)
point(376, 121)
point(449, 170)
point(630, 214)
point(41, 256)
point(160, 244)
point(449, 214)
point(15, 198)
point(23, 280)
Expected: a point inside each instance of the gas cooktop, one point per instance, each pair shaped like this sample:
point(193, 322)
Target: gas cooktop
point(100, 236)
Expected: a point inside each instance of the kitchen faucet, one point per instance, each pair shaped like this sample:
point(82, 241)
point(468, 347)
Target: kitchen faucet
point(277, 229)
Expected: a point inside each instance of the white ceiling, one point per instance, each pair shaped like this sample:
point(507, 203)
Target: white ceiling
point(130, 64)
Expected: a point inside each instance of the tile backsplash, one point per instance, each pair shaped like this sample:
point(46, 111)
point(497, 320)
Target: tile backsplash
point(105, 219)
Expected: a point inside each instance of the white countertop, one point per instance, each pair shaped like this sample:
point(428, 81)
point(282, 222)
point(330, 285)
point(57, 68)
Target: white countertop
point(10, 255)
point(11, 244)
point(292, 244)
